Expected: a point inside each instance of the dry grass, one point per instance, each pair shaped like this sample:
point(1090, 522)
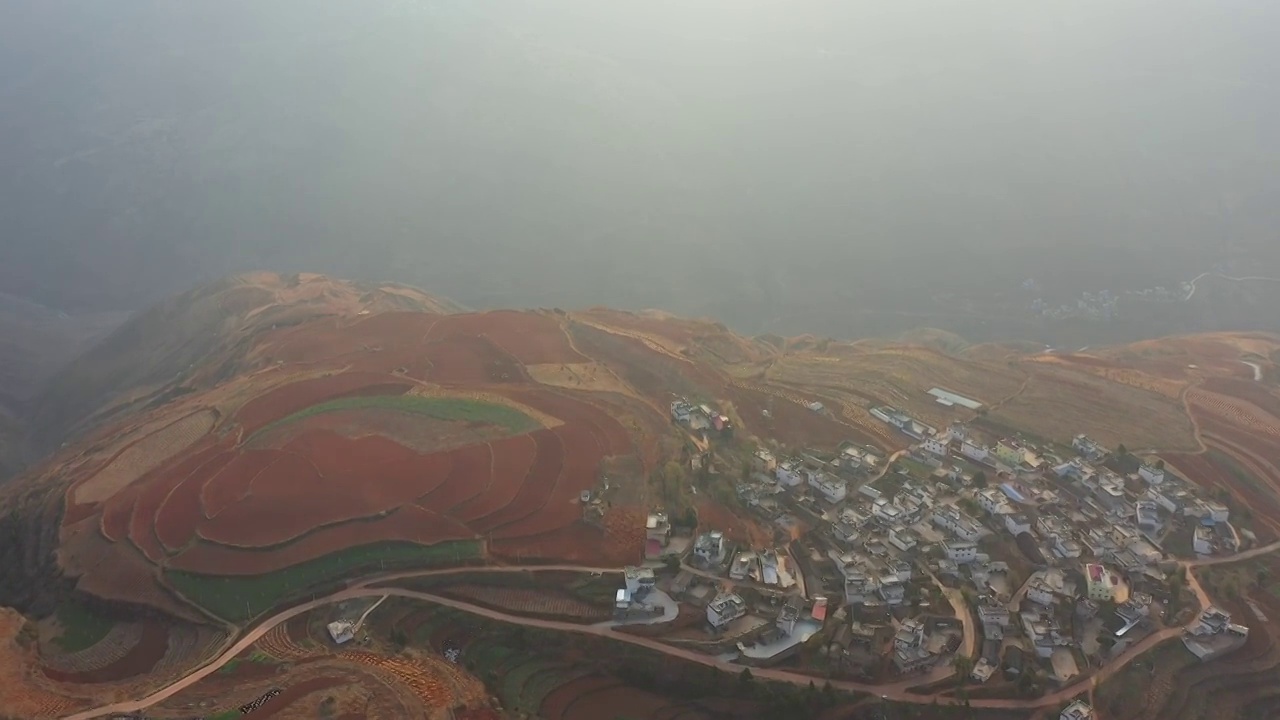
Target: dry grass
point(145, 455)
point(19, 695)
point(580, 376)
point(1059, 403)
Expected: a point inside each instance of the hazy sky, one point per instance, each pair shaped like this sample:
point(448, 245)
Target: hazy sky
point(776, 164)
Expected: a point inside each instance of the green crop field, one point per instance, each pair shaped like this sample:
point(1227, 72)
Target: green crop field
point(437, 408)
point(82, 628)
point(239, 598)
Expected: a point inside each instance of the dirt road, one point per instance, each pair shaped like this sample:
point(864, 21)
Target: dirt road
point(897, 692)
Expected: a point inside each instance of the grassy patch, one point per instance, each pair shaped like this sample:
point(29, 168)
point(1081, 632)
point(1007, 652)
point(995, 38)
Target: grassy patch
point(438, 408)
point(82, 628)
point(239, 598)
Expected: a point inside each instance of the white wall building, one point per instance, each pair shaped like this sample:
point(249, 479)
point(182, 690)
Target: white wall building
point(1151, 473)
point(1017, 523)
point(790, 474)
point(724, 610)
point(832, 489)
point(961, 551)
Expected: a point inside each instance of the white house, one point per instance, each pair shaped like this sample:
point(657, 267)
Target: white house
point(937, 445)
point(1039, 591)
point(1151, 473)
point(958, 523)
point(993, 615)
point(858, 587)
point(1147, 516)
point(639, 580)
point(903, 539)
point(725, 609)
point(892, 590)
point(994, 502)
point(341, 631)
point(961, 551)
point(1078, 710)
point(974, 451)
point(709, 547)
point(1202, 540)
point(887, 511)
point(790, 473)
point(764, 461)
point(1017, 523)
point(832, 489)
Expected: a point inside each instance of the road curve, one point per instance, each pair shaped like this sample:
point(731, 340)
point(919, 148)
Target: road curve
point(897, 692)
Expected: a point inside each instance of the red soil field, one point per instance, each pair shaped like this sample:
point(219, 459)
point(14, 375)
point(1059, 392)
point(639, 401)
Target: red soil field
point(532, 338)
point(152, 494)
point(614, 437)
point(472, 467)
point(605, 702)
point(558, 700)
point(218, 492)
point(581, 460)
point(792, 424)
point(139, 660)
point(294, 397)
point(1247, 390)
point(512, 458)
point(178, 516)
point(468, 360)
point(535, 488)
point(116, 513)
point(408, 524)
point(294, 693)
point(578, 542)
point(315, 500)
point(714, 516)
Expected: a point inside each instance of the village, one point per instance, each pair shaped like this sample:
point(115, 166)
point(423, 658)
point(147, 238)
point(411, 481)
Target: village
point(965, 559)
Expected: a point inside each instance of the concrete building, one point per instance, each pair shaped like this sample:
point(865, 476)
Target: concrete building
point(1078, 710)
point(724, 609)
point(832, 489)
point(764, 462)
point(1151, 473)
point(957, 523)
point(709, 548)
point(657, 531)
point(341, 631)
point(975, 451)
point(961, 551)
point(790, 473)
point(1102, 584)
point(1017, 523)
point(1147, 515)
point(640, 581)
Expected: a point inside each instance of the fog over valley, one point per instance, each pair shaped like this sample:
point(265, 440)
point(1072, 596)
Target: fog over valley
point(843, 168)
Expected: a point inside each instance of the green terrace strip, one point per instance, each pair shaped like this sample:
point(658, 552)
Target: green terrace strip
point(82, 628)
point(438, 408)
point(240, 598)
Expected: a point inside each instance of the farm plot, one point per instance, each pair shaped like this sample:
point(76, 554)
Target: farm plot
point(581, 462)
point(283, 402)
point(318, 498)
point(142, 523)
point(19, 696)
point(530, 338)
point(472, 467)
point(139, 660)
point(512, 459)
point(446, 408)
point(613, 437)
point(217, 491)
point(1241, 414)
point(239, 597)
point(536, 487)
point(178, 516)
point(187, 646)
point(578, 542)
point(433, 689)
point(468, 360)
point(526, 601)
point(145, 455)
point(111, 648)
point(556, 704)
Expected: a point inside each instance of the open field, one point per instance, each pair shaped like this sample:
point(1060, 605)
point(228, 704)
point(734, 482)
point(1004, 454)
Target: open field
point(450, 409)
point(145, 455)
point(241, 598)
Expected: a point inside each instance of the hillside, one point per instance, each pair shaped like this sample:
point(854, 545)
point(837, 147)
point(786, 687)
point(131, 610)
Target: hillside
point(264, 426)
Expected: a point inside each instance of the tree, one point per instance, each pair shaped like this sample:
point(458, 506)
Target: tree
point(746, 681)
point(963, 665)
point(672, 563)
point(1122, 451)
point(980, 479)
point(1159, 464)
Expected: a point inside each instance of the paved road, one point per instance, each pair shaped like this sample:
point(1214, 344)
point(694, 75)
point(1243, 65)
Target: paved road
point(897, 692)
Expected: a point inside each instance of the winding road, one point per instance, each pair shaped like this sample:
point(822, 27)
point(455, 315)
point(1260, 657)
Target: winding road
point(898, 692)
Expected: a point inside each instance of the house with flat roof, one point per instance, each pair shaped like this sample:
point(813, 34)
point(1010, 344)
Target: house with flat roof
point(1078, 710)
point(724, 609)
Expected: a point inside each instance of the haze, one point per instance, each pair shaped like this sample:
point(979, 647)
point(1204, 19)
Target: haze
point(843, 168)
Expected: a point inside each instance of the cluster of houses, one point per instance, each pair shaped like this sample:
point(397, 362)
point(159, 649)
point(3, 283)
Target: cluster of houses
point(1098, 529)
point(1214, 635)
point(700, 417)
